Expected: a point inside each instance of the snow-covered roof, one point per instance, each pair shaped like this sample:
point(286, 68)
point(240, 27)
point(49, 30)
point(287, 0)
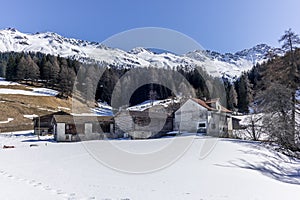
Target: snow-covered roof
point(149, 104)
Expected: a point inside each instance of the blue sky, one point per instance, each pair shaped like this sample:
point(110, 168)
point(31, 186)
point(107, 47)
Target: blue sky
point(224, 25)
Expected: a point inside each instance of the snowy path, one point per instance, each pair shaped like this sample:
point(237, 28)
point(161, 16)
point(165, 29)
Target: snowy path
point(233, 170)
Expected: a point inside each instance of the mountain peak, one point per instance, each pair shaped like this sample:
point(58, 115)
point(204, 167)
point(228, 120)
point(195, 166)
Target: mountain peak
point(11, 29)
point(228, 64)
point(138, 50)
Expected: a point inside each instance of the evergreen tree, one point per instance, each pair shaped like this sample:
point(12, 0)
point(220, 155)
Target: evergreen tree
point(3, 66)
point(21, 69)
point(66, 79)
point(243, 89)
point(32, 71)
point(11, 69)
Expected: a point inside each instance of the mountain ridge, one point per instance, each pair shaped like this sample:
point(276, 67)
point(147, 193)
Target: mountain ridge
point(229, 65)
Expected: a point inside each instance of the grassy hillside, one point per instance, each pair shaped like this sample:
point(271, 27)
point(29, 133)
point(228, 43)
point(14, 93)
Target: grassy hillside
point(15, 106)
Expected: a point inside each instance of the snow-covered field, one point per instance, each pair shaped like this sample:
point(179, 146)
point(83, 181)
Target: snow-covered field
point(34, 92)
point(30, 92)
point(4, 82)
point(233, 170)
point(103, 109)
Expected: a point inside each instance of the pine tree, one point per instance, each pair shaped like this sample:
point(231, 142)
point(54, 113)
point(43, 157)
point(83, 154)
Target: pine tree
point(244, 93)
point(21, 69)
point(54, 70)
point(11, 68)
point(3, 66)
point(32, 71)
point(66, 79)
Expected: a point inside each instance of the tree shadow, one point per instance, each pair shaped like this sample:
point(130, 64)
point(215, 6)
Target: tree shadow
point(270, 163)
point(18, 134)
point(40, 140)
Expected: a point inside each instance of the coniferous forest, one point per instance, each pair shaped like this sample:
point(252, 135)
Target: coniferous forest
point(59, 73)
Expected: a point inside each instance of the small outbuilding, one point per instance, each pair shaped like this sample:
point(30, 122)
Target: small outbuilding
point(43, 124)
point(80, 127)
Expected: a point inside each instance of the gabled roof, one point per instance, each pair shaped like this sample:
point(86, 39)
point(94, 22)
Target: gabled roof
point(70, 119)
point(205, 104)
point(202, 103)
point(212, 100)
point(223, 109)
point(49, 116)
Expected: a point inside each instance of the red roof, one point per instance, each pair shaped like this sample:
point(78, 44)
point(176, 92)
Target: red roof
point(205, 104)
point(223, 109)
point(212, 100)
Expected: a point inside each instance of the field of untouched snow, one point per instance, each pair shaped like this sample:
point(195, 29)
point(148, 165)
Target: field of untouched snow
point(233, 170)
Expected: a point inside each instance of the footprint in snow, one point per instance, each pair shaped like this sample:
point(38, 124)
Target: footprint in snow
point(31, 182)
point(37, 184)
point(10, 176)
point(47, 188)
point(92, 198)
point(60, 192)
point(70, 196)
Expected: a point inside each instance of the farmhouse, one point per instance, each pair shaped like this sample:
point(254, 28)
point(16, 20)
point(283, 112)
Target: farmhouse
point(207, 117)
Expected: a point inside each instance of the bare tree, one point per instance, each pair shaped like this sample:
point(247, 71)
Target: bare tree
point(290, 40)
point(255, 126)
point(278, 121)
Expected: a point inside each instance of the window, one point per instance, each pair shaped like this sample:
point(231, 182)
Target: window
point(201, 128)
point(213, 126)
point(201, 125)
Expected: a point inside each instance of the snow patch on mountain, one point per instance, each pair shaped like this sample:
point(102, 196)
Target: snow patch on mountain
point(217, 64)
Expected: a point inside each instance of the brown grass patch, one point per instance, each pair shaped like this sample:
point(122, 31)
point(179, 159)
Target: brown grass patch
point(15, 87)
point(16, 106)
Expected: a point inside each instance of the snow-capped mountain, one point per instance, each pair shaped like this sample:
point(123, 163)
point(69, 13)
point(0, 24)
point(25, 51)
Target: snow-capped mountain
point(229, 65)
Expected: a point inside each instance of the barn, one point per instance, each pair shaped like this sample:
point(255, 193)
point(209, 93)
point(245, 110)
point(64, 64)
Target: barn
point(143, 124)
point(80, 127)
point(42, 124)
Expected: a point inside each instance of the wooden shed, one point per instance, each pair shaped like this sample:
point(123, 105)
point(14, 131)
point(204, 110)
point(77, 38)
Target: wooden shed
point(76, 128)
point(43, 125)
